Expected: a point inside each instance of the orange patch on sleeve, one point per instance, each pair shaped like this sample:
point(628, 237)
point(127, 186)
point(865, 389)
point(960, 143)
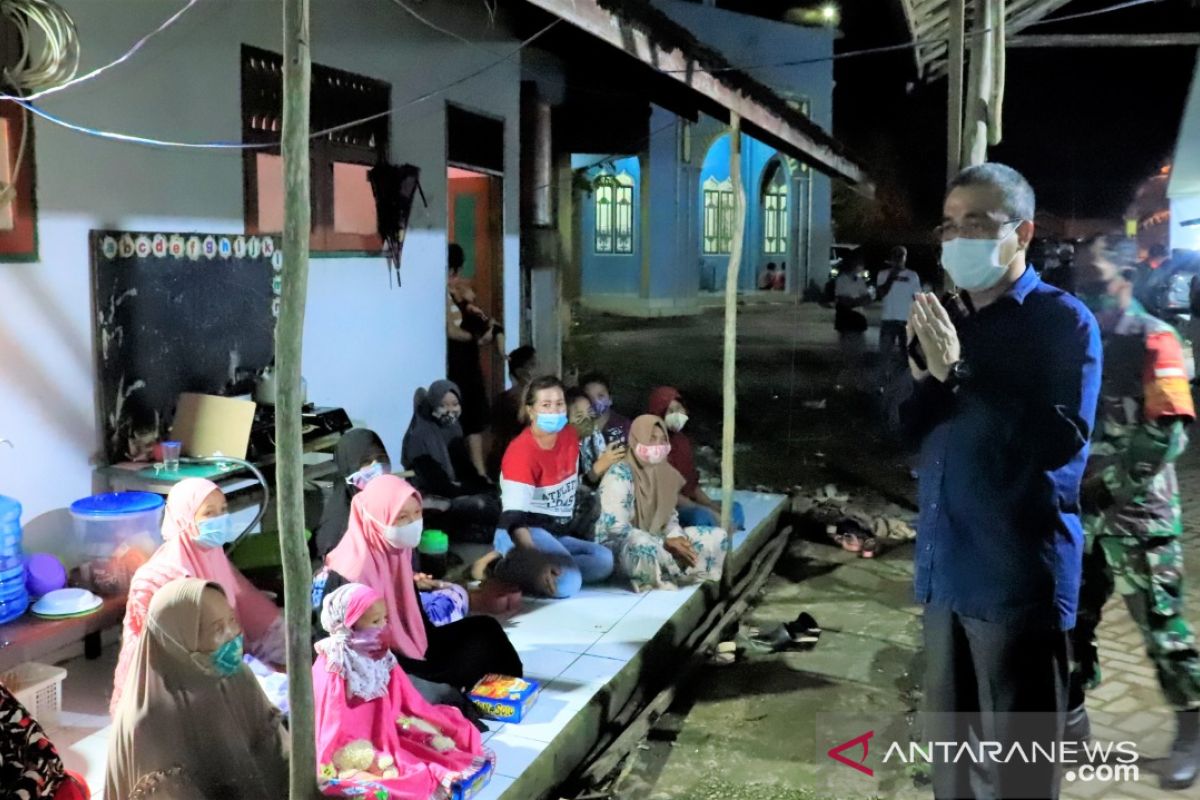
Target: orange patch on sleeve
point(1168, 393)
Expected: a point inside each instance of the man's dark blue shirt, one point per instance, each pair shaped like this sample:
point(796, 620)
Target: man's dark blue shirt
point(1002, 457)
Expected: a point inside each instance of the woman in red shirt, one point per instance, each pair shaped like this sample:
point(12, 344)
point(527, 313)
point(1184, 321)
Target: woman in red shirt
point(538, 481)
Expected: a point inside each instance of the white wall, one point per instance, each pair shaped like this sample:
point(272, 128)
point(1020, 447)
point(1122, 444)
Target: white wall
point(1185, 208)
point(366, 347)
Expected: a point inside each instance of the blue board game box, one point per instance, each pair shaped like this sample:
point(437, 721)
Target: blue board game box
point(504, 699)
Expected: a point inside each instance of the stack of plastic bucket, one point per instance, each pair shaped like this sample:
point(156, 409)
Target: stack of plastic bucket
point(14, 598)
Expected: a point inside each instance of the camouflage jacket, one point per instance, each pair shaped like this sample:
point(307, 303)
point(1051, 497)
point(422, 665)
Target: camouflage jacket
point(1130, 488)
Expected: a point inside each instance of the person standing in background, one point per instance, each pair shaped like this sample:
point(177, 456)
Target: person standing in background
point(1131, 502)
point(898, 285)
point(851, 293)
point(463, 360)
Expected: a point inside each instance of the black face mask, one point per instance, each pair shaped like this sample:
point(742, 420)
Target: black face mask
point(446, 418)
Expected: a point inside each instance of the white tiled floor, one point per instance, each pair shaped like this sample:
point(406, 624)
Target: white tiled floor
point(572, 647)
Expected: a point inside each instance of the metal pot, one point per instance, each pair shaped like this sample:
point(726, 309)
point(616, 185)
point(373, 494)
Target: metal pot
point(264, 389)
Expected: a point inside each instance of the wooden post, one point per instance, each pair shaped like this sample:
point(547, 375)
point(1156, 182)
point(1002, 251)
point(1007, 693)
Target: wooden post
point(954, 99)
point(999, 71)
point(729, 388)
point(979, 86)
point(289, 330)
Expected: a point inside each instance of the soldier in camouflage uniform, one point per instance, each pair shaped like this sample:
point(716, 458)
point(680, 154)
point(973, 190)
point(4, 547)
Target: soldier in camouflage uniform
point(1130, 499)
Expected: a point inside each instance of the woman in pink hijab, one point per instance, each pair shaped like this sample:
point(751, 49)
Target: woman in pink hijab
point(195, 527)
point(373, 728)
point(385, 526)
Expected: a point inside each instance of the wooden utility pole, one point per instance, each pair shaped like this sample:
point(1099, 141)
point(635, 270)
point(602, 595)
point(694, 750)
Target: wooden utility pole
point(954, 104)
point(997, 26)
point(1106, 40)
point(979, 84)
point(729, 387)
point(289, 331)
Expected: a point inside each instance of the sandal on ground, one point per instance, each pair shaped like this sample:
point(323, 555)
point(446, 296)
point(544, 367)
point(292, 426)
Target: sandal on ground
point(804, 629)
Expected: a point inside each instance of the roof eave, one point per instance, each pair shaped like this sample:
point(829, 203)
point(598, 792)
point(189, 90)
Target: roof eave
point(821, 151)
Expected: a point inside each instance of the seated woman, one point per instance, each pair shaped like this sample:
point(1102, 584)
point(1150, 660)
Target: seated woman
point(360, 458)
point(639, 523)
point(695, 506)
point(190, 704)
point(538, 481)
point(30, 766)
point(595, 455)
point(507, 409)
point(196, 526)
point(364, 702)
point(435, 449)
point(612, 425)
point(377, 550)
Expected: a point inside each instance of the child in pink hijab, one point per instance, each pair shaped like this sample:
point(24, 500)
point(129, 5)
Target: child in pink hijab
point(195, 527)
point(385, 526)
point(373, 729)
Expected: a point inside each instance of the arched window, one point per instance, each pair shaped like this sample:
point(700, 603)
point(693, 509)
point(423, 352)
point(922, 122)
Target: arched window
point(718, 217)
point(614, 213)
point(775, 212)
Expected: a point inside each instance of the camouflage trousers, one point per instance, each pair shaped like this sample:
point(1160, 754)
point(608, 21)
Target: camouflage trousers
point(1149, 575)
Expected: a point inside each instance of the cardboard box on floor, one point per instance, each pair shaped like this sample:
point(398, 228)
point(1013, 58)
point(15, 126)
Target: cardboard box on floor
point(208, 425)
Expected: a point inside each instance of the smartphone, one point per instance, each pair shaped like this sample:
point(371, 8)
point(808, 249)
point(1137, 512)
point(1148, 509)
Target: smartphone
point(917, 354)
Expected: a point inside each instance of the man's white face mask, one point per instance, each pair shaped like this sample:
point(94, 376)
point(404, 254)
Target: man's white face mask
point(975, 264)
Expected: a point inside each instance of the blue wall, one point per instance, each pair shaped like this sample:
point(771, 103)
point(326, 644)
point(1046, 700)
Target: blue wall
point(747, 40)
point(755, 158)
point(672, 239)
point(604, 273)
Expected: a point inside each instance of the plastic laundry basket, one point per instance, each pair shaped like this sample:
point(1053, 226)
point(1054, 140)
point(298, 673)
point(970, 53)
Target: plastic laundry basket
point(38, 687)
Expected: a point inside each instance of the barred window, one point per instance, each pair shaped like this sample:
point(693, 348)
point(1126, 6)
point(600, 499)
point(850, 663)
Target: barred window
point(613, 196)
point(718, 217)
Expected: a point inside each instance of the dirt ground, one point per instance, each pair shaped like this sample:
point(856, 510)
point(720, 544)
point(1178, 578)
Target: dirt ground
point(751, 730)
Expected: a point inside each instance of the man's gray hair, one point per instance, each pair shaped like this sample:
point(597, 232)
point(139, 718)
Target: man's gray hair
point(1018, 194)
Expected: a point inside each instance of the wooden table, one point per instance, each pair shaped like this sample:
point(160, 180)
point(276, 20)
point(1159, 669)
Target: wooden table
point(31, 638)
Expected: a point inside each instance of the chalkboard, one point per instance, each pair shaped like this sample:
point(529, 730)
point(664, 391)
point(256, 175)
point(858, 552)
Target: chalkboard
point(176, 312)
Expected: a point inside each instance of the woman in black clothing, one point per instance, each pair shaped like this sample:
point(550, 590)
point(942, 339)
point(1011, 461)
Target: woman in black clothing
point(436, 451)
point(360, 456)
point(385, 525)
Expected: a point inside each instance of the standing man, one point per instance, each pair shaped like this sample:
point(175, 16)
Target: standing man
point(898, 285)
point(1003, 404)
point(851, 292)
point(1131, 501)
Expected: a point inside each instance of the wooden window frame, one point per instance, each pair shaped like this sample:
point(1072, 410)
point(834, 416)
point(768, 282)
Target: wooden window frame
point(337, 96)
point(20, 244)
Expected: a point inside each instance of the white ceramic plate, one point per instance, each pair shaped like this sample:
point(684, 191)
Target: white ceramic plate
point(66, 603)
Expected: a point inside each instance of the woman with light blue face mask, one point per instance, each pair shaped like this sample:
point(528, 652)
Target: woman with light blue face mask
point(196, 527)
point(535, 546)
point(191, 704)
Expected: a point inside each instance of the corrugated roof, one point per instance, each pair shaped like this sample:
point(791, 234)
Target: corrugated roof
point(929, 21)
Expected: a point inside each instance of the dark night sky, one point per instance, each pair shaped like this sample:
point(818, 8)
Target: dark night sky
point(1085, 125)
